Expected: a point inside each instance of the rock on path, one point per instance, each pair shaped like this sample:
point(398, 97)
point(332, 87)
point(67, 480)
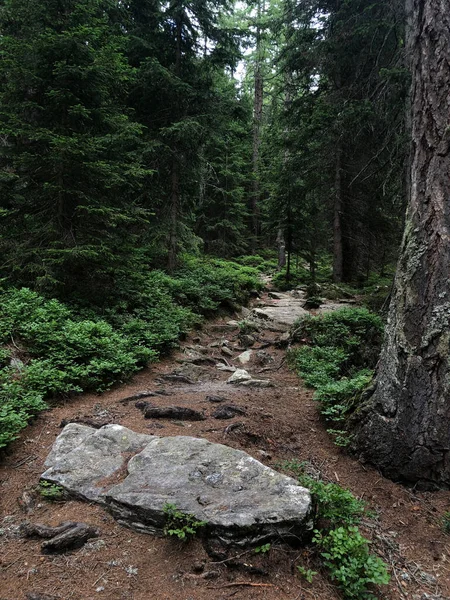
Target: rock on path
point(135, 475)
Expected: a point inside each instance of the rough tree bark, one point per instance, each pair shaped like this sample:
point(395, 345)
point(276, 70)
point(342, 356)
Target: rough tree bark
point(405, 424)
point(175, 201)
point(338, 263)
point(257, 122)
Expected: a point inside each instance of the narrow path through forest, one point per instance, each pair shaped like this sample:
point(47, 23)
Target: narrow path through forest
point(274, 424)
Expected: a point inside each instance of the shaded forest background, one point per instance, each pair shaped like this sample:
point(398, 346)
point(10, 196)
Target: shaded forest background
point(153, 153)
point(135, 132)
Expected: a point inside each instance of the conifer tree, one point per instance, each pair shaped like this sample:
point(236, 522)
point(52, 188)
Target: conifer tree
point(70, 155)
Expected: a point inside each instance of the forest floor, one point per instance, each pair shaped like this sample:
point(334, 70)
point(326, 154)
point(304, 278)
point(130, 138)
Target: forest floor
point(281, 423)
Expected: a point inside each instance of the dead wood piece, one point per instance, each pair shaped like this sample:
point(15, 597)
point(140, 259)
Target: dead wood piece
point(142, 404)
point(232, 426)
point(72, 538)
point(228, 412)
point(178, 378)
point(203, 360)
point(28, 529)
point(137, 396)
point(90, 422)
point(38, 596)
point(173, 412)
point(214, 549)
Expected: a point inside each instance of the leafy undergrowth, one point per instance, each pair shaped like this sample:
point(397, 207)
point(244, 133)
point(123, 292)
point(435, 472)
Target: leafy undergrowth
point(48, 348)
point(337, 540)
point(341, 349)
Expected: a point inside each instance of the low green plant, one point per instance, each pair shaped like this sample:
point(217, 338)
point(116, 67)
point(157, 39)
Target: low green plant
point(346, 555)
point(333, 504)
point(446, 521)
point(91, 344)
point(50, 491)
point(356, 331)
point(344, 551)
point(182, 525)
point(343, 347)
point(247, 327)
point(263, 549)
point(308, 574)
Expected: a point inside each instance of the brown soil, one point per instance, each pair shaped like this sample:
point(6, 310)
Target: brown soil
point(281, 423)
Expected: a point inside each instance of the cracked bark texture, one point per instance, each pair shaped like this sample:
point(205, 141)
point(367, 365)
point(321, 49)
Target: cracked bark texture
point(404, 426)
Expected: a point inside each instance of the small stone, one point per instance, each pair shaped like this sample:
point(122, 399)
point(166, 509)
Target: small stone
point(198, 567)
point(227, 368)
point(215, 399)
point(211, 574)
point(257, 383)
point(247, 340)
point(239, 376)
point(245, 357)
point(264, 454)
point(101, 588)
point(263, 358)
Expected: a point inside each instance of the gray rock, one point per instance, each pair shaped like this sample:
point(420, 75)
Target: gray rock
point(245, 357)
point(215, 399)
point(238, 376)
point(240, 499)
point(286, 312)
point(193, 372)
point(246, 340)
point(82, 457)
point(263, 358)
point(257, 383)
point(233, 323)
point(223, 367)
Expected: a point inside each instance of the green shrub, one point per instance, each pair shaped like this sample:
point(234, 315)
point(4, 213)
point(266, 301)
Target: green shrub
point(343, 348)
point(346, 555)
point(344, 551)
point(318, 365)
point(339, 398)
point(71, 349)
point(356, 331)
point(333, 504)
point(50, 491)
point(182, 525)
point(446, 522)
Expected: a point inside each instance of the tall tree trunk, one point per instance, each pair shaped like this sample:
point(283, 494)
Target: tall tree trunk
point(281, 245)
point(337, 221)
point(174, 205)
point(257, 121)
point(405, 424)
point(173, 217)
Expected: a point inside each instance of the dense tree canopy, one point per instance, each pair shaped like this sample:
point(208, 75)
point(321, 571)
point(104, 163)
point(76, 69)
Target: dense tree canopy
point(127, 137)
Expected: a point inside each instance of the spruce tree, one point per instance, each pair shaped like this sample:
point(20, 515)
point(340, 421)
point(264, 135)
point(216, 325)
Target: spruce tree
point(70, 157)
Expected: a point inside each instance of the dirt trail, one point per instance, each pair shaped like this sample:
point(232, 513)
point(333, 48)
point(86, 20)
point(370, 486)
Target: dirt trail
point(280, 423)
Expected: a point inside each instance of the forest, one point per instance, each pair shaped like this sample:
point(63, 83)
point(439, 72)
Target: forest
point(163, 164)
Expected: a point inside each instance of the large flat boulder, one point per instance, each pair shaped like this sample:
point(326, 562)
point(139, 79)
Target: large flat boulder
point(136, 475)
